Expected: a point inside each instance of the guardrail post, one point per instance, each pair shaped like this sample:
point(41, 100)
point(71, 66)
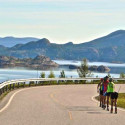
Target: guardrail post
point(23, 84)
point(10, 86)
point(29, 84)
point(18, 85)
point(36, 83)
point(42, 83)
point(3, 89)
point(14, 86)
point(0, 91)
point(6, 88)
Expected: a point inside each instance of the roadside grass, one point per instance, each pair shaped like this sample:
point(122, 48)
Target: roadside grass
point(3, 95)
point(120, 102)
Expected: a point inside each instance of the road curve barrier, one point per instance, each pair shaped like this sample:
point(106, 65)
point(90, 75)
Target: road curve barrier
point(12, 84)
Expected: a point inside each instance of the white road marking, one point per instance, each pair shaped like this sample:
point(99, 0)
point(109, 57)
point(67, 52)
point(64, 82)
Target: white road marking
point(11, 98)
point(93, 99)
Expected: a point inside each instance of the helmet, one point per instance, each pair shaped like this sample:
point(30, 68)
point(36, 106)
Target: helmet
point(110, 80)
point(107, 77)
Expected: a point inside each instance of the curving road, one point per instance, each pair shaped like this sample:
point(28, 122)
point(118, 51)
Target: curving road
point(58, 105)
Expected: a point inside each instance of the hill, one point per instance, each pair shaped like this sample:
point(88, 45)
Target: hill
point(12, 41)
point(116, 38)
point(110, 48)
point(39, 62)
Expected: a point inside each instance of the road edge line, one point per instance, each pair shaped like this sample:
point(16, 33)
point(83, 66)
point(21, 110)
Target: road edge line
point(93, 99)
point(11, 98)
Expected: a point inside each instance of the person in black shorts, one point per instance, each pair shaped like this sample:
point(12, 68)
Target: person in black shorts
point(100, 91)
point(114, 97)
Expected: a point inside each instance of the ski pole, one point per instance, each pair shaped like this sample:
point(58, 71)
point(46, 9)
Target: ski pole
point(119, 89)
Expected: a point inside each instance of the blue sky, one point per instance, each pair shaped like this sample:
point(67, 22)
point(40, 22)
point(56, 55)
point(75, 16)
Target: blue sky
point(61, 21)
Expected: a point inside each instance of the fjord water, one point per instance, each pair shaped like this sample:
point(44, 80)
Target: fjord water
point(77, 63)
point(22, 73)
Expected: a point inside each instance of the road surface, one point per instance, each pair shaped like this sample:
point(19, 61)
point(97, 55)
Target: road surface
point(58, 105)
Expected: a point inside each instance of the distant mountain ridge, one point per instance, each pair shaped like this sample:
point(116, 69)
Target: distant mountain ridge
point(116, 38)
point(110, 48)
point(12, 41)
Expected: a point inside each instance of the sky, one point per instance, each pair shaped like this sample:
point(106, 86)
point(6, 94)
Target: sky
point(61, 21)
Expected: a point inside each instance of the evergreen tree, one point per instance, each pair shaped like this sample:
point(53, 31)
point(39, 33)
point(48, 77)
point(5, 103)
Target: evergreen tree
point(42, 75)
point(51, 75)
point(122, 75)
point(62, 74)
point(109, 75)
point(83, 70)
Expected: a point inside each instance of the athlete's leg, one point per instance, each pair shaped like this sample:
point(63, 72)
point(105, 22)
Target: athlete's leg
point(104, 102)
point(112, 105)
point(115, 101)
point(100, 100)
point(107, 103)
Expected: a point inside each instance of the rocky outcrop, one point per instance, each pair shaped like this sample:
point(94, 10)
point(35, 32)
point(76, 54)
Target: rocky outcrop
point(73, 67)
point(39, 62)
point(103, 69)
point(99, 68)
point(92, 68)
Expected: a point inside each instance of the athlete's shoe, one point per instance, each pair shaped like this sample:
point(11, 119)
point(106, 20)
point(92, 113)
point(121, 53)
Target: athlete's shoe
point(115, 110)
point(104, 106)
point(100, 105)
point(107, 108)
point(111, 110)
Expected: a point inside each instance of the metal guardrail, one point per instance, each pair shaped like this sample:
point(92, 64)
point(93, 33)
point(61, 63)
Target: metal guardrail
point(4, 85)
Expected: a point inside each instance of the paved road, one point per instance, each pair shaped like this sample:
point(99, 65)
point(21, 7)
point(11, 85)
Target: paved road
point(58, 105)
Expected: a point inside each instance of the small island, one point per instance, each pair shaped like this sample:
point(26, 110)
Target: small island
point(39, 62)
point(94, 68)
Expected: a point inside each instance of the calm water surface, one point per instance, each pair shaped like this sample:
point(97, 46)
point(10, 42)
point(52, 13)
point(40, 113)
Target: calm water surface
point(22, 73)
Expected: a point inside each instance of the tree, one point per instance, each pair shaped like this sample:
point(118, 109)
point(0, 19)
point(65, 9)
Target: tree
point(122, 75)
point(42, 75)
point(109, 75)
point(83, 70)
point(51, 75)
point(62, 74)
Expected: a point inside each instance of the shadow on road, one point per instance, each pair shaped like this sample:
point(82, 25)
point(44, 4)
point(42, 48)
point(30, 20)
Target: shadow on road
point(89, 110)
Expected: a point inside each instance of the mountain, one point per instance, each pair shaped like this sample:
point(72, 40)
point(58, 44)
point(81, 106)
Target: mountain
point(12, 41)
point(110, 48)
point(116, 38)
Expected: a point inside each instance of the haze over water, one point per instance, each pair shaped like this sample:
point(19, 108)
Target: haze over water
point(23, 73)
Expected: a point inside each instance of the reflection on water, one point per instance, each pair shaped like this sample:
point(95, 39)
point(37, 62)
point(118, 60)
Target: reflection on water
point(117, 70)
point(22, 73)
point(64, 62)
